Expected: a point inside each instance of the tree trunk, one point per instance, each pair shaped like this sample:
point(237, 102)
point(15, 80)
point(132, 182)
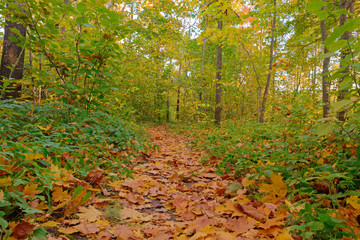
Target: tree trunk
point(347, 5)
point(266, 92)
point(218, 79)
point(12, 61)
point(325, 72)
point(202, 63)
point(178, 94)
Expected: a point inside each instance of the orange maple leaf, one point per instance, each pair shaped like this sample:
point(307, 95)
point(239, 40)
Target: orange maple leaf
point(30, 190)
point(59, 195)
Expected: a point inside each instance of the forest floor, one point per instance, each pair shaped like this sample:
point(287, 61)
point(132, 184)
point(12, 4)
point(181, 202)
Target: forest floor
point(173, 196)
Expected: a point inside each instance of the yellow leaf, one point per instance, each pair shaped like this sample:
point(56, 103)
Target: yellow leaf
point(47, 128)
point(59, 195)
point(5, 182)
point(69, 230)
point(90, 214)
point(50, 224)
point(33, 156)
point(30, 190)
point(275, 191)
point(354, 202)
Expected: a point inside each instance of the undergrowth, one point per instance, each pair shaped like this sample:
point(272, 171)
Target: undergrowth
point(321, 173)
point(39, 143)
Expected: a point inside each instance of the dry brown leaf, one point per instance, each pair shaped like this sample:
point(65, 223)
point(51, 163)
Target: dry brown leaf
point(251, 211)
point(240, 225)
point(123, 232)
point(87, 228)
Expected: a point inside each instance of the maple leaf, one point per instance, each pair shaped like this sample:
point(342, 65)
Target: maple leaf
point(96, 176)
point(59, 195)
point(275, 191)
point(123, 232)
point(22, 229)
point(87, 228)
point(354, 202)
point(5, 182)
point(226, 236)
point(202, 222)
point(240, 225)
point(251, 211)
point(30, 190)
point(90, 214)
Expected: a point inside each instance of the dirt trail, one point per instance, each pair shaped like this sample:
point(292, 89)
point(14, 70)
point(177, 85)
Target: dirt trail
point(173, 196)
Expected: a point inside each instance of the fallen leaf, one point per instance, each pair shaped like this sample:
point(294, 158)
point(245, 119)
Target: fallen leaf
point(275, 191)
point(90, 214)
point(240, 225)
point(251, 211)
point(30, 190)
point(87, 228)
point(123, 232)
point(22, 229)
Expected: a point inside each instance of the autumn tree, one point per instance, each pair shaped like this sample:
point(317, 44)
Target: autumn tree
point(13, 54)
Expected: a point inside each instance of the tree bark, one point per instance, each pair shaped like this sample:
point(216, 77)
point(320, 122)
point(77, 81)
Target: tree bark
point(347, 5)
point(325, 72)
point(12, 61)
point(218, 79)
point(267, 86)
point(203, 63)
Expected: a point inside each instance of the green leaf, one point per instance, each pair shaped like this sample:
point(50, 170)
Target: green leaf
point(316, 226)
point(77, 191)
point(326, 55)
point(13, 39)
point(86, 197)
point(3, 223)
point(337, 106)
point(315, 6)
point(88, 25)
point(324, 129)
point(16, 31)
point(40, 233)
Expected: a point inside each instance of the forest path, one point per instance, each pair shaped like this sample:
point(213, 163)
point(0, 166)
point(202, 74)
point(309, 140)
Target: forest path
point(173, 196)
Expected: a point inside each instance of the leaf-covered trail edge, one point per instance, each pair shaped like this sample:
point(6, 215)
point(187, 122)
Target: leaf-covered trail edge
point(173, 196)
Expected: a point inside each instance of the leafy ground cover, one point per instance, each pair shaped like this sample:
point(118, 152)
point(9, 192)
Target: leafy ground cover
point(52, 156)
point(321, 173)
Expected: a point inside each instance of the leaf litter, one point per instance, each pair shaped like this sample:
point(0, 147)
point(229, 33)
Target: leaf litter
point(171, 196)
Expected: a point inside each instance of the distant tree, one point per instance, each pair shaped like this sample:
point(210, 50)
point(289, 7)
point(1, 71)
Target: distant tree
point(13, 54)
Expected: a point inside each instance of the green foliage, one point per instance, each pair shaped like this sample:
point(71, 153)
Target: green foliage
point(34, 139)
point(321, 172)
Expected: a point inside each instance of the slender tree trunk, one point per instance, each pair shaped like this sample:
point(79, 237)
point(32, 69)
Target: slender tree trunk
point(12, 61)
point(347, 5)
point(178, 94)
point(203, 62)
point(325, 72)
point(218, 79)
point(267, 86)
